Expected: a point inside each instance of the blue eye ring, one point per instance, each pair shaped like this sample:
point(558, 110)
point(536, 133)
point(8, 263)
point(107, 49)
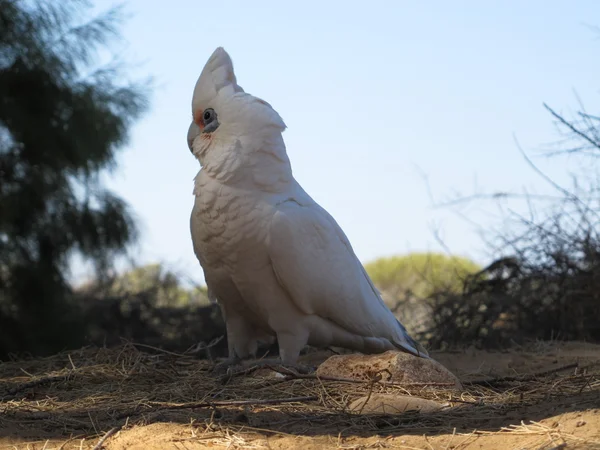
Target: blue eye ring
point(208, 116)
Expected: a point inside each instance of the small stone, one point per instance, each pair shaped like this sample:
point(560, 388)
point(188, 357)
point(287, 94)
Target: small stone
point(267, 373)
point(580, 423)
point(392, 366)
point(392, 404)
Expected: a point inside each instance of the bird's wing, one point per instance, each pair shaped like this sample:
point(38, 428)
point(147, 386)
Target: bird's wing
point(316, 265)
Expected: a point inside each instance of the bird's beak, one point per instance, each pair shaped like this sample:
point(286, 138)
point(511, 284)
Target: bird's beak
point(193, 132)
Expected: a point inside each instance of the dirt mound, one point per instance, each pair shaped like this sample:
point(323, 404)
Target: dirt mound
point(544, 396)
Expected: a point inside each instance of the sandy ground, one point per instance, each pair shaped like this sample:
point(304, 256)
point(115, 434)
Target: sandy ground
point(549, 411)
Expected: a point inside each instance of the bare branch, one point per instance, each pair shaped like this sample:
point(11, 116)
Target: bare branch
point(572, 127)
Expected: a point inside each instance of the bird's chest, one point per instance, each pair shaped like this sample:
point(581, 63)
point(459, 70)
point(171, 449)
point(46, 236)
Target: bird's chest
point(228, 224)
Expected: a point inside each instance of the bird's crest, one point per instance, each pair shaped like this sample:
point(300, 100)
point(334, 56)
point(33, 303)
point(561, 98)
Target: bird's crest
point(217, 74)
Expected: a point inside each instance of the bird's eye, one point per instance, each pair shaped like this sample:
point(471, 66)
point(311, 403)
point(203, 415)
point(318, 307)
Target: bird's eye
point(210, 121)
point(208, 116)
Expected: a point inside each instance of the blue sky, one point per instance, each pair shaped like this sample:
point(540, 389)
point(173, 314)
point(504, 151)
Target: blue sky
point(374, 94)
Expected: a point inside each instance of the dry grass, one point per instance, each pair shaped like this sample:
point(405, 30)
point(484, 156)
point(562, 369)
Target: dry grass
point(86, 393)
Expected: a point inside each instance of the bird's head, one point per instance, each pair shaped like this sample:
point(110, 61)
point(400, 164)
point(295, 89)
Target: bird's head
point(223, 114)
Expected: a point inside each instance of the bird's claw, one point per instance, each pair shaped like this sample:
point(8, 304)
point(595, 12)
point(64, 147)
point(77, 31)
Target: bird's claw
point(230, 365)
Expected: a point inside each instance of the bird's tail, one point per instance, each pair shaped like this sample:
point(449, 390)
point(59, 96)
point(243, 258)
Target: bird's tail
point(409, 345)
point(403, 341)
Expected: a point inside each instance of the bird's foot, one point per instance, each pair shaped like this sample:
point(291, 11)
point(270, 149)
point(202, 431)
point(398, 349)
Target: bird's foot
point(230, 365)
point(234, 367)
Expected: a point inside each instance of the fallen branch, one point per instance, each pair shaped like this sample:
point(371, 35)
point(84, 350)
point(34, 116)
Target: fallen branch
point(291, 375)
point(269, 401)
point(160, 406)
point(103, 439)
point(37, 382)
point(510, 379)
point(224, 379)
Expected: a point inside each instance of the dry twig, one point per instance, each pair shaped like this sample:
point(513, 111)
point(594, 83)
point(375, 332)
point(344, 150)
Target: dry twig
point(104, 438)
point(502, 380)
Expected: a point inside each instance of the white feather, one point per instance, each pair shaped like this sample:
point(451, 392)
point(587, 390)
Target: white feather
point(277, 262)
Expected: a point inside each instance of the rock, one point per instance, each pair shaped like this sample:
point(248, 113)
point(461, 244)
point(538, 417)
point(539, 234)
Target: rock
point(392, 404)
point(392, 366)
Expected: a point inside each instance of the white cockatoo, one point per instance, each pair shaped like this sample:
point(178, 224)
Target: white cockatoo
point(278, 264)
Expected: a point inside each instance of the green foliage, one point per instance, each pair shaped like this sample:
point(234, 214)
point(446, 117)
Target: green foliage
point(407, 284)
point(61, 122)
point(149, 305)
point(421, 274)
point(162, 286)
